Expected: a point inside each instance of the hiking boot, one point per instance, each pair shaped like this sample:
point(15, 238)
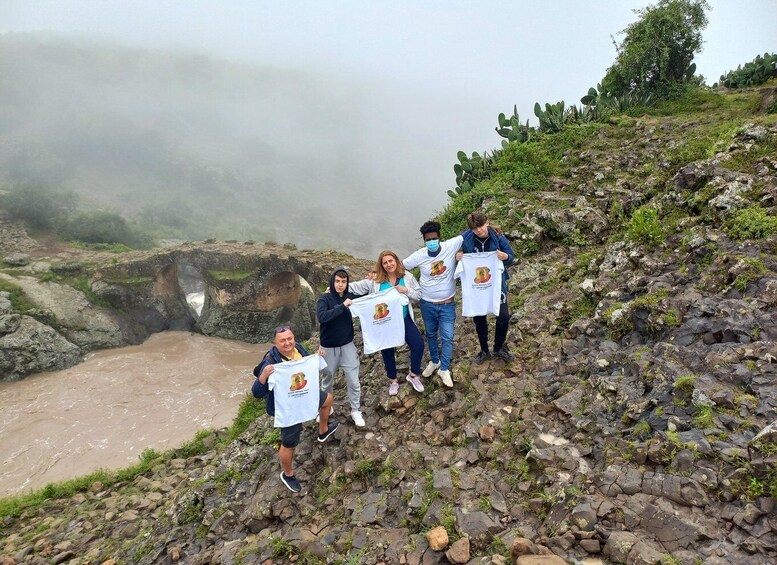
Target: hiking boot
point(291, 482)
point(430, 368)
point(446, 378)
point(358, 419)
point(481, 357)
point(503, 354)
point(393, 388)
point(331, 411)
point(333, 425)
point(416, 382)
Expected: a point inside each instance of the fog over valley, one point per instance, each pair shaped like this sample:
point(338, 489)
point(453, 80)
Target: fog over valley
point(196, 147)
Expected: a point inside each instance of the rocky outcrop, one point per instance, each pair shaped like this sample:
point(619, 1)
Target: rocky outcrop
point(249, 290)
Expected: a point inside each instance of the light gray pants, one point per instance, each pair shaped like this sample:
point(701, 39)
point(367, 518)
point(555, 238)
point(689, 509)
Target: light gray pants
point(347, 358)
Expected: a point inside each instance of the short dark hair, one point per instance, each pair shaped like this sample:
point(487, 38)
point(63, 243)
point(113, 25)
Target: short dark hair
point(476, 219)
point(430, 226)
point(340, 273)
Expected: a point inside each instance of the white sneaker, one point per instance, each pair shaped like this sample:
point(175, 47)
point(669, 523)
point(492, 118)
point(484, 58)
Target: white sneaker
point(331, 411)
point(358, 419)
point(430, 368)
point(446, 378)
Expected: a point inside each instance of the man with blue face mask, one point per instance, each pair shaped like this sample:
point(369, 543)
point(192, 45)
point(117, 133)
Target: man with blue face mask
point(437, 262)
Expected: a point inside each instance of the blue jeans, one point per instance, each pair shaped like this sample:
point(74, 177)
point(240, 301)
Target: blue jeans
point(439, 317)
point(415, 342)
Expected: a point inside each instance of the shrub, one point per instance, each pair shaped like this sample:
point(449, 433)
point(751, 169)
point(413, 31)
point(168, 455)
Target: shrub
point(751, 223)
point(39, 207)
point(103, 227)
point(644, 227)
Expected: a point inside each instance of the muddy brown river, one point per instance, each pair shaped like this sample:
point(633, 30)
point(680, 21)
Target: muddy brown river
point(104, 412)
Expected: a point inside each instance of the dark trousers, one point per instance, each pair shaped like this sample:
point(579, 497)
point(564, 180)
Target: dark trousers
point(500, 334)
point(415, 342)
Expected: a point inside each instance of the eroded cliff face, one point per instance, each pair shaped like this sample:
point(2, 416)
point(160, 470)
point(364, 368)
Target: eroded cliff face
point(75, 306)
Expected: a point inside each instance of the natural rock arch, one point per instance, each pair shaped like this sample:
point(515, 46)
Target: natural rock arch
point(245, 295)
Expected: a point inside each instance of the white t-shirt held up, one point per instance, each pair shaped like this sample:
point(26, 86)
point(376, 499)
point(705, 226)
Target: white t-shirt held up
point(481, 283)
point(295, 386)
point(381, 319)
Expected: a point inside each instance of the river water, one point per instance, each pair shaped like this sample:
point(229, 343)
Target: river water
point(104, 412)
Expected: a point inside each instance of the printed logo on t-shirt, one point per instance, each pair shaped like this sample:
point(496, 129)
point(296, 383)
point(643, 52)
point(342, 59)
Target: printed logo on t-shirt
point(381, 311)
point(438, 268)
point(482, 275)
point(298, 382)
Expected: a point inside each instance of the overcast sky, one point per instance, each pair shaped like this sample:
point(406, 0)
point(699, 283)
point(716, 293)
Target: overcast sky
point(454, 64)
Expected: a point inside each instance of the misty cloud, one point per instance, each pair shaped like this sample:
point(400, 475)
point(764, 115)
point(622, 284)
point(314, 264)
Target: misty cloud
point(217, 149)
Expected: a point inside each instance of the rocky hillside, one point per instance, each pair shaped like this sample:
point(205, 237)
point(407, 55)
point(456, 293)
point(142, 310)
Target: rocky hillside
point(637, 425)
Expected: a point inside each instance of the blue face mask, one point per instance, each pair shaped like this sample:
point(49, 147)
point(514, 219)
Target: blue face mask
point(433, 245)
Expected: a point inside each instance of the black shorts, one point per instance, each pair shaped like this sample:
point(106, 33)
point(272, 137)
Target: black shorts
point(291, 434)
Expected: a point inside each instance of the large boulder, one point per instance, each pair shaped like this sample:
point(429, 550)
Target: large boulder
point(34, 347)
point(81, 322)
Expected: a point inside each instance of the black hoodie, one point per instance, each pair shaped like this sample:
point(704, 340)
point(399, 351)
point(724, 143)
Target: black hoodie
point(335, 319)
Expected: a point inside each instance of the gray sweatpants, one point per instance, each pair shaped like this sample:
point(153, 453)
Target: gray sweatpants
point(348, 358)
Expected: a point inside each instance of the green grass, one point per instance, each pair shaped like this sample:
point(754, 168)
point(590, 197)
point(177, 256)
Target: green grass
point(703, 418)
point(753, 271)
point(136, 280)
point(693, 101)
point(82, 283)
point(685, 384)
point(17, 297)
point(110, 247)
point(229, 276)
point(250, 409)
point(14, 506)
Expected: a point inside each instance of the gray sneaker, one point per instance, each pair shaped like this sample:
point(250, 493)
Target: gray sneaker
point(481, 357)
point(503, 354)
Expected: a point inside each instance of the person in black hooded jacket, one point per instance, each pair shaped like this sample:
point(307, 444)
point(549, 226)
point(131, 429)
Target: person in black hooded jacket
point(334, 316)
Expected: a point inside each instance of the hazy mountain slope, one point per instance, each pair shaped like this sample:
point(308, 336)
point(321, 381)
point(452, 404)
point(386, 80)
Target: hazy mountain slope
point(207, 147)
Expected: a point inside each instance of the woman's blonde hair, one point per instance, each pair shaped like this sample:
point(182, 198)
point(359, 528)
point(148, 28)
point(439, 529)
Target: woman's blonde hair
point(380, 273)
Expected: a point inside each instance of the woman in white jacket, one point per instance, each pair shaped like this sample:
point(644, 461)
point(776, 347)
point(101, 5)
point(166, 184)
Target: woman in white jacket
point(389, 272)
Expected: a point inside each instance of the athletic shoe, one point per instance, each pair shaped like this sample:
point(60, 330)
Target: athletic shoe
point(333, 425)
point(430, 368)
point(393, 388)
point(358, 419)
point(331, 411)
point(416, 382)
point(481, 357)
point(504, 354)
point(291, 482)
point(446, 378)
